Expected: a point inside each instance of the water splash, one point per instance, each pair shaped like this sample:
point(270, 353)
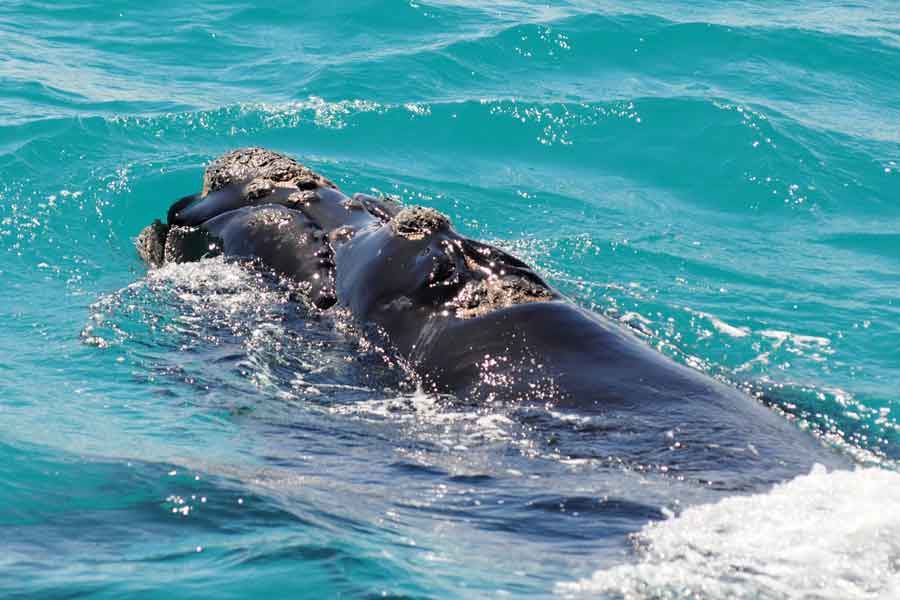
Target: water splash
point(823, 535)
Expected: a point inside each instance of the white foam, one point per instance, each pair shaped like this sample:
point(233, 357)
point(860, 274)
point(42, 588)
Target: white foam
point(721, 326)
point(823, 535)
point(323, 113)
point(425, 414)
point(801, 341)
point(211, 275)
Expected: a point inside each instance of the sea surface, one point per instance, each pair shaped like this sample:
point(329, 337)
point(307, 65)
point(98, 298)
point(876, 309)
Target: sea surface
point(721, 178)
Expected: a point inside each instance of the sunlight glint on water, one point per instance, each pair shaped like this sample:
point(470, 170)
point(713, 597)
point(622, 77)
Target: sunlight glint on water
point(720, 179)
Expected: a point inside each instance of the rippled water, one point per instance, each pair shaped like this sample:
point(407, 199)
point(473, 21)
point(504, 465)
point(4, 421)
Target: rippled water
point(721, 177)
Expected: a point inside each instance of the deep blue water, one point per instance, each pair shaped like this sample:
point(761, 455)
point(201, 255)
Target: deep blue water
point(721, 177)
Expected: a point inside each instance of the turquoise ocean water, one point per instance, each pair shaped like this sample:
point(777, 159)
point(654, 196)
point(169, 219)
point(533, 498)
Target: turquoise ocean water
point(723, 178)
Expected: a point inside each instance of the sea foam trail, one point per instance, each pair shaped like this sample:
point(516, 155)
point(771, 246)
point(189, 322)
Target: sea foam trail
point(823, 535)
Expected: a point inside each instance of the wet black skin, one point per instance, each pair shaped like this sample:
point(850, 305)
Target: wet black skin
point(552, 352)
point(282, 239)
point(198, 209)
point(546, 352)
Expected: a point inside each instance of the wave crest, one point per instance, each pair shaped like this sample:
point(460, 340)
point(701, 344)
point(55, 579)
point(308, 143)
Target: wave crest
point(822, 535)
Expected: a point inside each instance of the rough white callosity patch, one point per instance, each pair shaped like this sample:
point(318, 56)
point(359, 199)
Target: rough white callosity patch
point(824, 535)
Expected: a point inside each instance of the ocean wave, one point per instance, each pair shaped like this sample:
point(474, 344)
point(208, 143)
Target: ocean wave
point(823, 535)
point(719, 178)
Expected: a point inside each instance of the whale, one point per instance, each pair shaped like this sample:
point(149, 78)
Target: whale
point(470, 320)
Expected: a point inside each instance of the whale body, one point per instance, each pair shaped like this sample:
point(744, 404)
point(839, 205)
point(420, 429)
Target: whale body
point(470, 319)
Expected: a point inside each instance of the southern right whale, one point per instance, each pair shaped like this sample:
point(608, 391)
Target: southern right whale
point(471, 320)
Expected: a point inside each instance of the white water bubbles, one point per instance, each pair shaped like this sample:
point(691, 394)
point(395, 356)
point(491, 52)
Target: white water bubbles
point(222, 324)
point(197, 291)
point(446, 425)
point(250, 118)
point(823, 535)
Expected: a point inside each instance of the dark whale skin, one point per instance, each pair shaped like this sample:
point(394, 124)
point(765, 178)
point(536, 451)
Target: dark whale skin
point(473, 321)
